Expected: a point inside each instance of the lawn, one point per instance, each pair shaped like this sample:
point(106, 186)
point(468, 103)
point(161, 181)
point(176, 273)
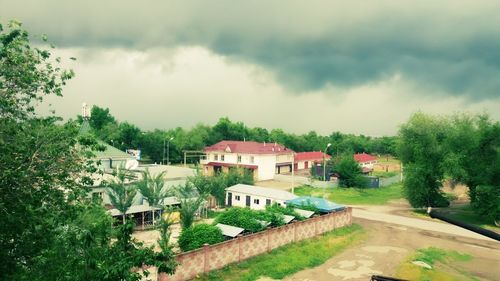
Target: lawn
point(354, 196)
point(445, 266)
point(291, 258)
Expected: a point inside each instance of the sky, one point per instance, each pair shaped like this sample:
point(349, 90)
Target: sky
point(359, 67)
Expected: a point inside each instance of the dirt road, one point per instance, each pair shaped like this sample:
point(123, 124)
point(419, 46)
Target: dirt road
point(389, 244)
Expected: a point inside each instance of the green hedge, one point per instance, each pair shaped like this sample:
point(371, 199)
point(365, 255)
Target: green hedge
point(196, 236)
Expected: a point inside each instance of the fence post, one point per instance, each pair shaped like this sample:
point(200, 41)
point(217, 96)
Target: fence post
point(206, 267)
point(268, 239)
point(239, 247)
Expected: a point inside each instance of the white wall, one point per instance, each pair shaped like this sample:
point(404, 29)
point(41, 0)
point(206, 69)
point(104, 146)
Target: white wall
point(266, 165)
point(253, 205)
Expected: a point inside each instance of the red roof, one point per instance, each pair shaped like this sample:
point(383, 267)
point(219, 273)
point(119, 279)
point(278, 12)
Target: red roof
point(311, 155)
point(232, 165)
point(249, 147)
point(363, 157)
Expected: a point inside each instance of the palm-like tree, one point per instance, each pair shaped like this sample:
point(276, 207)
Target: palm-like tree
point(120, 194)
point(190, 203)
point(151, 188)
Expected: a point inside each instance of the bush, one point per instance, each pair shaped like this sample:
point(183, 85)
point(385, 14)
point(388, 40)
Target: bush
point(240, 217)
point(421, 189)
point(289, 210)
point(196, 236)
point(487, 202)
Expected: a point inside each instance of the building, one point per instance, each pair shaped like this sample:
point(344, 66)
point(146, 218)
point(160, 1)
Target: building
point(305, 160)
point(262, 159)
point(365, 160)
point(255, 197)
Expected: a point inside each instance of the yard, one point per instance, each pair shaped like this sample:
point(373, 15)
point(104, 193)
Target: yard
point(354, 196)
point(291, 258)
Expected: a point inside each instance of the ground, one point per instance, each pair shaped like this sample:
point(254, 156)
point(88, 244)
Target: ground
point(389, 245)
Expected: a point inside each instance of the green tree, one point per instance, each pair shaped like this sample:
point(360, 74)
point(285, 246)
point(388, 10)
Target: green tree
point(100, 117)
point(240, 217)
point(151, 188)
point(120, 194)
point(191, 202)
point(350, 173)
point(196, 236)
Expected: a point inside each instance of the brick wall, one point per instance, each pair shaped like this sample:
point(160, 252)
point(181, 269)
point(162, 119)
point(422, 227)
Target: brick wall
point(216, 256)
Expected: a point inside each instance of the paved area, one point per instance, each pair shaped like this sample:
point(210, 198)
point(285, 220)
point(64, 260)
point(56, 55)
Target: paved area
point(388, 245)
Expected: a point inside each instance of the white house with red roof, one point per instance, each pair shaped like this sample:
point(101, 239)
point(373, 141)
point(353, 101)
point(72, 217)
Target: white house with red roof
point(365, 160)
point(305, 160)
point(263, 159)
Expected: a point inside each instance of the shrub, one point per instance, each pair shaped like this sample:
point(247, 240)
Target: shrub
point(196, 236)
point(289, 210)
point(240, 217)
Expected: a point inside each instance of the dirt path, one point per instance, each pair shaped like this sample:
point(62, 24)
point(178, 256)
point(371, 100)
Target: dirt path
point(387, 247)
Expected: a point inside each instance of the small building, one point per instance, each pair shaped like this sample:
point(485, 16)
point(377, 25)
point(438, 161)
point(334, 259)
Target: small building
point(365, 160)
point(255, 197)
point(263, 160)
point(306, 160)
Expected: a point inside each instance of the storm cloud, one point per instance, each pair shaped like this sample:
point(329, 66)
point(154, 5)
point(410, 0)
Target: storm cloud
point(445, 47)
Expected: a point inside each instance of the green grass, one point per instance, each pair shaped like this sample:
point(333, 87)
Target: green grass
point(466, 214)
point(291, 258)
point(354, 196)
point(443, 262)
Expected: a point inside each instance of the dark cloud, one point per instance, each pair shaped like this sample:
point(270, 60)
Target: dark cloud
point(447, 47)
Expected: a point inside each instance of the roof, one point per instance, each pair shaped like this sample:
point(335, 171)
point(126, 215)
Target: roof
point(288, 218)
point(229, 230)
point(261, 191)
point(133, 209)
point(363, 157)
point(232, 165)
point(248, 147)
point(321, 204)
point(306, 214)
point(311, 155)
point(111, 152)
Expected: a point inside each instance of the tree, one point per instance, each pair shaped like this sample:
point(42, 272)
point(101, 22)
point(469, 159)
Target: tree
point(151, 188)
point(423, 153)
point(350, 173)
point(196, 236)
point(100, 117)
point(190, 203)
point(120, 194)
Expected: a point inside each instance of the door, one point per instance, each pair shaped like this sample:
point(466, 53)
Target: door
point(247, 203)
point(295, 166)
point(306, 165)
point(230, 199)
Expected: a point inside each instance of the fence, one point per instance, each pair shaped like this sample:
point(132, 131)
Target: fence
point(216, 256)
point(389, 181)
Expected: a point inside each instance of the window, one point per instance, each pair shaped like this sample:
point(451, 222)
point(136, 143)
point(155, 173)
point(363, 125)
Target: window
point(268, 201)
point(222, 157)
point(98, 195)
point(252, 159)
point(237, 198)
point(256, 201)
point(239, 158)
point(216, 157)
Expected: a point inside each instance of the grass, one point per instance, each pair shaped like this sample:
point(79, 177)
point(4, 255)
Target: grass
point(443, 262)
point(291, 258)
point(384, 174)
point(354, 196)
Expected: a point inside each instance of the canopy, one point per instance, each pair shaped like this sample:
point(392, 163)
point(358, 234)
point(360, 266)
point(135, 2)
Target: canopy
point(322, 204)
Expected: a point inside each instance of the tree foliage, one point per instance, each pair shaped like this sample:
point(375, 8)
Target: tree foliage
point(464, 148)
point(120, 193)
point(196, 236)
point(349, 171)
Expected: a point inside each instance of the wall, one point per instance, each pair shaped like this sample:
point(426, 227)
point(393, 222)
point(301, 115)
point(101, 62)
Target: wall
point(267, 164)
point(242, 201)
point(299, 180)
point(219, 255)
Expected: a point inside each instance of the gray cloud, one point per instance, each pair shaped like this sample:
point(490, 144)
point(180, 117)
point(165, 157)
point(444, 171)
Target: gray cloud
point(447, 47)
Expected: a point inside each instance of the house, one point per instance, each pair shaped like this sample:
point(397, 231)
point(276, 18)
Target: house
point(255, 197)
point(263, 160)
point(305, 160)
point(365, 161)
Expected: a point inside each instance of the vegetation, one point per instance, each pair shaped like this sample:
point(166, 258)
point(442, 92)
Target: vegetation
point(124, 135)
point(240, 217)
point(462, 148)
point(216, 185)
point(51, 230)
point(120, 194)
point(354, 196)
point(349, 171)
point(191, 201)
point(442, 262)
point(288, 210)
point(291, 258)
point(151, 188)
point(196, 236)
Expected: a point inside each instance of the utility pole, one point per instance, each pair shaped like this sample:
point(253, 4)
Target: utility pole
point(324, 162)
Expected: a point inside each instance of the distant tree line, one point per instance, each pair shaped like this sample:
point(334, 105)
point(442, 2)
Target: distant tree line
point(124, 135)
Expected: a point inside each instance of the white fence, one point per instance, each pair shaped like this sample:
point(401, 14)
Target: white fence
point(305, 181)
